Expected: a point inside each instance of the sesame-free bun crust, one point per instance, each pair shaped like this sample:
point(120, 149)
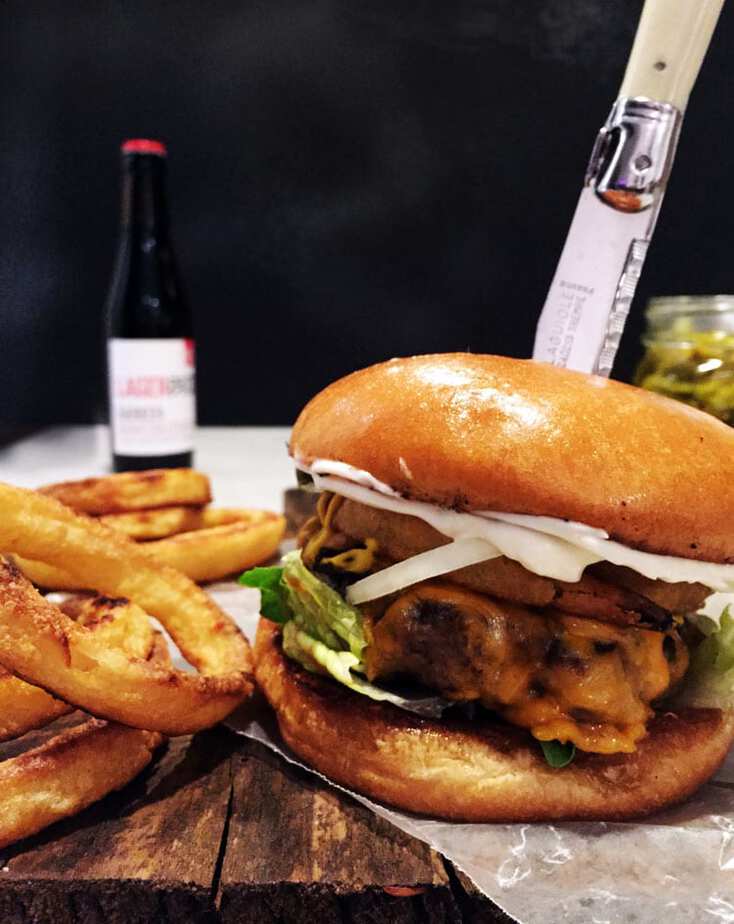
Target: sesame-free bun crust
point(480, 770)
point(479, 432)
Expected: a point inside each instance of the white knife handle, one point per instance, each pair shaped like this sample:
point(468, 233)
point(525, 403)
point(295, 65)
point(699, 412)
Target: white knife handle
point(669, 48)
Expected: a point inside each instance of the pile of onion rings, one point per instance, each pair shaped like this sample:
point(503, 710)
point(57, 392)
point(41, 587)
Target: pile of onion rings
point(162, 510)
point(80, 764)
point(101, 654)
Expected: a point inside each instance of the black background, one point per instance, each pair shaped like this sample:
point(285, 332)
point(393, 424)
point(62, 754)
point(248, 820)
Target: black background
point(348, 180)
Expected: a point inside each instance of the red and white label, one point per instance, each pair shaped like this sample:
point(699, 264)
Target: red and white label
point(152, 396)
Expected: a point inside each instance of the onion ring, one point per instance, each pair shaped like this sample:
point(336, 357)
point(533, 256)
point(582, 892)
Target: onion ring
point(114, 622)
point(45, 647)
point(162, 522)
point(203, 555)
point(104, 681)
point(24, 707)
point(81, 764)
point(211, 554)
point(48, 576)
point(68, 773)
point(133, 490)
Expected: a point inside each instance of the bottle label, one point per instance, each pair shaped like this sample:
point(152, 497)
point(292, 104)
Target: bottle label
point(152, 396)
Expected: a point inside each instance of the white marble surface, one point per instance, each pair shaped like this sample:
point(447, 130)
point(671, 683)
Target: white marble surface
point(249, 466)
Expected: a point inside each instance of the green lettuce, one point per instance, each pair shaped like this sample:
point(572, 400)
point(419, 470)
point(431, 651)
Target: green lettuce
point(269, 581)
point(321, 612)
point(322, 631)
point(710, 677)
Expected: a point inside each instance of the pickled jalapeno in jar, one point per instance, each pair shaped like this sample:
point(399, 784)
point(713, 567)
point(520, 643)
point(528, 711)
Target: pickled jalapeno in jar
point(690, 352)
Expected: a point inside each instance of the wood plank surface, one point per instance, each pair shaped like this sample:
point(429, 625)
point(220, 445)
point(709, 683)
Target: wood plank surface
point(300, 850)
point(219, 829)
point(148, 853)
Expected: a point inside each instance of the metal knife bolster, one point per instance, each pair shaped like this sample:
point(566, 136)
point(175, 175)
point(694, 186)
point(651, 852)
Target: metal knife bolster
point(628, 170)
point(631, 159)
point(589, 299)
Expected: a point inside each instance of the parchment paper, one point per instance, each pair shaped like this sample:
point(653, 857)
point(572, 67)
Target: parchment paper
point(675, 868)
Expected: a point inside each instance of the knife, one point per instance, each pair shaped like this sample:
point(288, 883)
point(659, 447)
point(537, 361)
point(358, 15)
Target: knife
point(589, 299)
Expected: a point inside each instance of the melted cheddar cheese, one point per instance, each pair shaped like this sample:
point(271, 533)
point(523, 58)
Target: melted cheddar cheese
point(561, 677)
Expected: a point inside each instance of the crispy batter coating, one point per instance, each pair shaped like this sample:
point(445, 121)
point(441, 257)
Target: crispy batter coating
point(207, 554)
point(114, 622)
point(45, 647)
point(133, 490)
point(37, 641)
point(217, 552)
point(67, 773)
point(160, 522)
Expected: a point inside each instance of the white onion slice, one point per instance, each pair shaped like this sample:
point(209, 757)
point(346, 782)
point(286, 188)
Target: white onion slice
point(543, 554)
point(445, 558)
point(550, 547)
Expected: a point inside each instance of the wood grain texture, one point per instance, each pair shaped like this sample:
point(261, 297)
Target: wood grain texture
point(219, 829)
point(147, 853)
point(298, 849)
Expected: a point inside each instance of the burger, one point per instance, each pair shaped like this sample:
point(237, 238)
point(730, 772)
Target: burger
point(495, 612)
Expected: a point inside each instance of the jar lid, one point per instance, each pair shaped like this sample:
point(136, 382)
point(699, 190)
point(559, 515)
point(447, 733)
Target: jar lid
point(671, 306)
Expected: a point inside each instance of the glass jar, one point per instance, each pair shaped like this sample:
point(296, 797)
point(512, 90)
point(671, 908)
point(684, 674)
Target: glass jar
point(690, 351)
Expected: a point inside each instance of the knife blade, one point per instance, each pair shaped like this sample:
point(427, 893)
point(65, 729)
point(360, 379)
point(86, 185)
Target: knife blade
point(589, 299)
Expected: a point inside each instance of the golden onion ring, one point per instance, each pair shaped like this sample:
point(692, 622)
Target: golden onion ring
point(114, 622)
point(214, 553)
point(125, 491)
point(105, 681)
point(45, 647)
point(67, 773)
point(80, 765)
point(161, 522)
point(203, 555)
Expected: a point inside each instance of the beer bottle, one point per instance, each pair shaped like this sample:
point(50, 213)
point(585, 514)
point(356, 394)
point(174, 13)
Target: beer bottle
point(150, 346)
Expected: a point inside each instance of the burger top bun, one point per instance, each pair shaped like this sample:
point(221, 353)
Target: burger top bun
point(477, 432)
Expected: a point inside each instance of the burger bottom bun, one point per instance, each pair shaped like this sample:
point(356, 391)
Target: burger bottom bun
point(481, 770)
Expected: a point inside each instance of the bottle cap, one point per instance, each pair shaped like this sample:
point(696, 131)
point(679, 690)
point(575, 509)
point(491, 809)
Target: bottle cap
point(143, 146)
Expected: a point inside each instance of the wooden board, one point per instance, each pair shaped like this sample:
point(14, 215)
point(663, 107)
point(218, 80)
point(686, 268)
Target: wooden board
point(148, 853)
point(219, 829)
point(298, 847)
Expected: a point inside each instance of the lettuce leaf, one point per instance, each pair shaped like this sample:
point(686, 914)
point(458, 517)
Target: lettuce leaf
point(319, 658)
point(321, 612)
point(710, 677)
point(326, 635)
point(273, 603)
point(558, 754)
